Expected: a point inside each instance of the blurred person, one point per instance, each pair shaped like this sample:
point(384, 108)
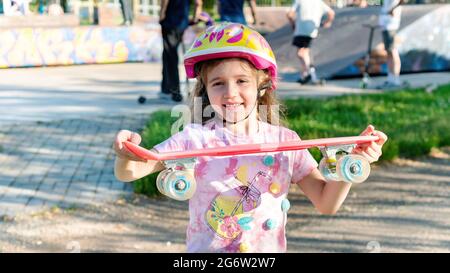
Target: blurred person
point(389, 20)
point(174, 19)
point(233, 11)
point(127, 12)
point(305, 17)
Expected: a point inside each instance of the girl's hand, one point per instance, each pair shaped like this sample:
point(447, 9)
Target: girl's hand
point(121, 150)
point(371, 151)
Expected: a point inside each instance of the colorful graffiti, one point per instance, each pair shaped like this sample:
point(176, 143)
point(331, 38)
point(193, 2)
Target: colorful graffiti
point(25, 47)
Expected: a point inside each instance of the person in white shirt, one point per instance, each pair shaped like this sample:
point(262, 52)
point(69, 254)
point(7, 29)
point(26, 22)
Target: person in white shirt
point(305, 17)
point(389, 20)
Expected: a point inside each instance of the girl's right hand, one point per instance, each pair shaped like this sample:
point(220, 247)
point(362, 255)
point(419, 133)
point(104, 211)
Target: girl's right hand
point(121, 150)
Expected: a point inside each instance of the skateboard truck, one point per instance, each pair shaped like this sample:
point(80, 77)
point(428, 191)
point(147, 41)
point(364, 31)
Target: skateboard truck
point(177, 180)
point(338, 164)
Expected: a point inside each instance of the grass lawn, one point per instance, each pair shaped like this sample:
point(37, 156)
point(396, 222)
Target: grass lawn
point(414, 120)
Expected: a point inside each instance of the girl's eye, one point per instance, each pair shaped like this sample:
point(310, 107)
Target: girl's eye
point(217, 83)
point(242, 81)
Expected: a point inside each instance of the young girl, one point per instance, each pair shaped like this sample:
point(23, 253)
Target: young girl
point(240, 203)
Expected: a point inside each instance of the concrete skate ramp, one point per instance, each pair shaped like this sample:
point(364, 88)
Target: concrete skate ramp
point(341, 45)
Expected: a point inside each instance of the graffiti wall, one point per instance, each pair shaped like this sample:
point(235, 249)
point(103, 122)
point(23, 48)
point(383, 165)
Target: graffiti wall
point(25, 47)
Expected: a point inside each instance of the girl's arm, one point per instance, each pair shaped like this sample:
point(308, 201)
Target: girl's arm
point(127, 166)
point(328, 197)
point(127, 170)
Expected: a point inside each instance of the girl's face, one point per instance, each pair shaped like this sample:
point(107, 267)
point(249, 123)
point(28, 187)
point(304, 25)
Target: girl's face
point(232, 89)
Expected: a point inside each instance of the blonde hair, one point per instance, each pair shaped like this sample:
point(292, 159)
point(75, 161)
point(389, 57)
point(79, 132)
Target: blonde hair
point(275, 115)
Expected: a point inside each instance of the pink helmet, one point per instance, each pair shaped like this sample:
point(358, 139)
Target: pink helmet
point(230, 40)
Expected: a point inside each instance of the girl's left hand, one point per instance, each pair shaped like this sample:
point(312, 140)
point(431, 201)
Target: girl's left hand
point(371, 151)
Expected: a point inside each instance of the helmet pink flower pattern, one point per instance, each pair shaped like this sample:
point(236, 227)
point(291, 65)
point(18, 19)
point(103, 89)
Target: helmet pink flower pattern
point(231, 40)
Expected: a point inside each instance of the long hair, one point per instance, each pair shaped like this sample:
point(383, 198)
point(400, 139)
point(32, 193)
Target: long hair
point(269, 108)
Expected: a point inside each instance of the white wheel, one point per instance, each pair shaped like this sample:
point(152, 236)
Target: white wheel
point(329, 173)
point(180, 185)
point(160, 180)
point(353, 168)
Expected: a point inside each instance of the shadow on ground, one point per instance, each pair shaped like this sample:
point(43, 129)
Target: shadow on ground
point(403, 207)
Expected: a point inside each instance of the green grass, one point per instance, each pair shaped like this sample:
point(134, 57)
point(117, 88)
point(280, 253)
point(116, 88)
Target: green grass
point(414, 120)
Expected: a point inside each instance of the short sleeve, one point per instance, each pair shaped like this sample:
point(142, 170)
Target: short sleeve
point(172, 144)
point(304, 163)
point(325, 8)
point(180, 141)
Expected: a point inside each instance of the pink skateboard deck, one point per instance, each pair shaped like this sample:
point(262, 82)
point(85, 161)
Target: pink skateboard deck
point(249, 148)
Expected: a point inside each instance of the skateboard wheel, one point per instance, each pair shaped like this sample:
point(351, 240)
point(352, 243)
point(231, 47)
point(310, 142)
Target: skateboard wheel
point(180, 185)
point(327, 168)
point(142, 99)
point(353, 168)
point(160, 181)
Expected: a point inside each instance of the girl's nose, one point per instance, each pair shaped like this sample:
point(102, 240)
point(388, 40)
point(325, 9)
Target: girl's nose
point(230, 90)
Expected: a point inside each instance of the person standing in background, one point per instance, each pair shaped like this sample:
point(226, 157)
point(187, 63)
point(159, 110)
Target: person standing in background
point(305, 17)
point(174, 19)
point(233, 11)
point(389, 20)
point(127, 12)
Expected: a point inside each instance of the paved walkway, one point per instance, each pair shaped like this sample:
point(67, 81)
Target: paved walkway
point(57, 126)
point(63, 163)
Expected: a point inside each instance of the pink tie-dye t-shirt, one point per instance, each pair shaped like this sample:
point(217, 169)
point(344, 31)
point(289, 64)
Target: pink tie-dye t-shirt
point(238, 202)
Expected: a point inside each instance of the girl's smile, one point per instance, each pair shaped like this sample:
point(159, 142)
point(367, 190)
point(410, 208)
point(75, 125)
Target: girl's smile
point(232, 92)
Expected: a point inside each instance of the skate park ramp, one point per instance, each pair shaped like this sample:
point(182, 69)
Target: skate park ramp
point(340, 46)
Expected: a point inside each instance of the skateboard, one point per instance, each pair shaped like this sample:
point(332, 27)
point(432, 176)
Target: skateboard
point(338, 164)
